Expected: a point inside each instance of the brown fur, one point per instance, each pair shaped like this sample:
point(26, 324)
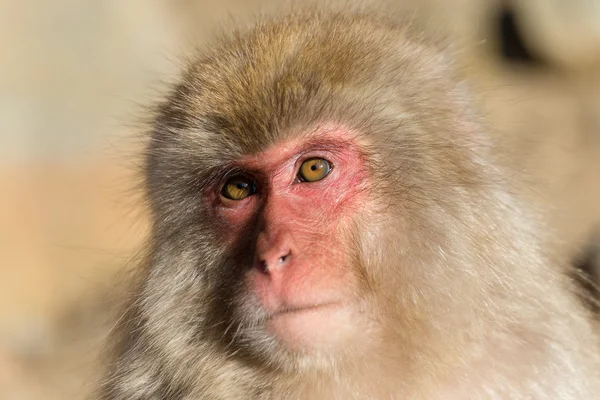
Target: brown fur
point(462, 301)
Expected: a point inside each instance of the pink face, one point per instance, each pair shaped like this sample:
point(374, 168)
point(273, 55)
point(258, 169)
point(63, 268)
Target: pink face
point(305, 195)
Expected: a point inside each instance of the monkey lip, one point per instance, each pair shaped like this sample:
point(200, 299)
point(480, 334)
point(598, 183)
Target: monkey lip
point(294, 310)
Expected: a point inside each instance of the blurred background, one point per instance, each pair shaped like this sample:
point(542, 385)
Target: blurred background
point(75, 76)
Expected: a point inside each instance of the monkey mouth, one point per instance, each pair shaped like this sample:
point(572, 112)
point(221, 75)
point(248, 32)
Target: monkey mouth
point(290, 310)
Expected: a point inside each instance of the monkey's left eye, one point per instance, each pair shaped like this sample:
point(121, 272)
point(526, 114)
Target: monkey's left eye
point(238, 188)
point(314, 169)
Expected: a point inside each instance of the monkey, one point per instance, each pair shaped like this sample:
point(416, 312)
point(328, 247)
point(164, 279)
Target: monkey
point(329, 222)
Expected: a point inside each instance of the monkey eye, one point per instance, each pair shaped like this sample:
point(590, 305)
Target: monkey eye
point(314, 169)
point(238, 188)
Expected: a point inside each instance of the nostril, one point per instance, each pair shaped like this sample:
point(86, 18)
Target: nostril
point(263, 267)
point(284, 258)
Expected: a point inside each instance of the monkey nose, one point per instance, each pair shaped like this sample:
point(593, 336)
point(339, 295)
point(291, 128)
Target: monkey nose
point(274, 251)
point(275, 260)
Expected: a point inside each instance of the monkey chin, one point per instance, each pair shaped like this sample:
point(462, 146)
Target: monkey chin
point(315, 328)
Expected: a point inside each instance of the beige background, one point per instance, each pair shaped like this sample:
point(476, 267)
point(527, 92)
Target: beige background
point(73, 77)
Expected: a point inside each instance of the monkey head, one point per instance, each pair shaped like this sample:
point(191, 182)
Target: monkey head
point(310, 182)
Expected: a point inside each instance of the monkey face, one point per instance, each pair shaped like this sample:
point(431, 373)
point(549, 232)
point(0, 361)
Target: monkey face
point(292, 211)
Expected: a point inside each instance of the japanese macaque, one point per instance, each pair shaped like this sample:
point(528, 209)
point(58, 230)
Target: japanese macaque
point(329, 223)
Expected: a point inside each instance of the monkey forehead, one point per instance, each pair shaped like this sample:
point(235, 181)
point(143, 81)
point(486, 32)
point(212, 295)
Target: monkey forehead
point(327, 138)
point(284, 76)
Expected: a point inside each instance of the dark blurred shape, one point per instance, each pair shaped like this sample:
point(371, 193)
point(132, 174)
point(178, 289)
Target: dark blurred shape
point(587, 276)
point(510, 41)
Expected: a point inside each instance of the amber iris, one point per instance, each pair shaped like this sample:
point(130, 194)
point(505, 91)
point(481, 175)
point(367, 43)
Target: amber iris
point(238, 188)
point(314, 169)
